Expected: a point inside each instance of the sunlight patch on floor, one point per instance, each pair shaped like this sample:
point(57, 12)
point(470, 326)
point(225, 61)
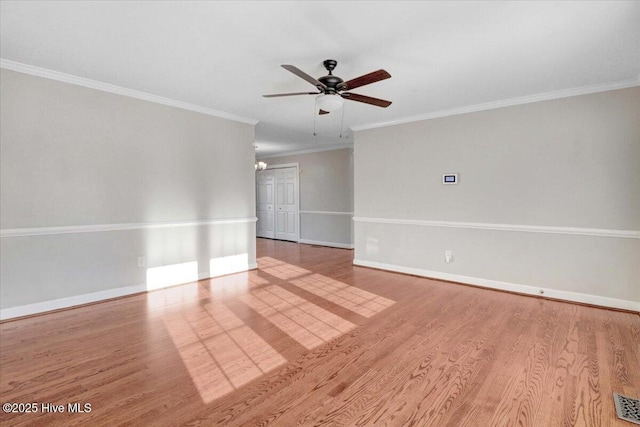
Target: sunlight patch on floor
point(281, 269)
point(355, 299)
point(234, 284)
point(303, 321)
point(325, 316)
point(178, 296)
point(221, 353)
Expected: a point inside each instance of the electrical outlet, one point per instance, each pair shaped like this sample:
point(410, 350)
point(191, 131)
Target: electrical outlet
point(448, 256)
point(142, 261)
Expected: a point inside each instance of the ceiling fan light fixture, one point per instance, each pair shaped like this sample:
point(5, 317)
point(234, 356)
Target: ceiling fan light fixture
point(329, 102)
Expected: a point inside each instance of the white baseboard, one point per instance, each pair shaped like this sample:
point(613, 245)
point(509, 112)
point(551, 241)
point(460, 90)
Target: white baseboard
point(57, 304)
point(330, 244)
point(506, 286)
point(68, 302)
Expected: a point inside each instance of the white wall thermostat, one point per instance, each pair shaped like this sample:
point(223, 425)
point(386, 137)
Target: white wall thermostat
point(450, 178)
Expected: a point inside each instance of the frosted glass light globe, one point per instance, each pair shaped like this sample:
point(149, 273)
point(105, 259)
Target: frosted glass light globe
point(329, 102)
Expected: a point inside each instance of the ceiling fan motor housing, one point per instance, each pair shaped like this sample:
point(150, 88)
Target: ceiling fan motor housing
point(333, 83)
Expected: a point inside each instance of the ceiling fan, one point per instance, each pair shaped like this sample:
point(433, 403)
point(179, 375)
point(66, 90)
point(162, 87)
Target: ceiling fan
point(331, 89)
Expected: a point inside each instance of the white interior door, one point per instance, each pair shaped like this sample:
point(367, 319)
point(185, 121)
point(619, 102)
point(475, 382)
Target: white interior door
point(265, 204)
point(286, 203)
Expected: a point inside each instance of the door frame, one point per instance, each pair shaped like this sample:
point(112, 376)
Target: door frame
point(257, 183)
point(297, 166)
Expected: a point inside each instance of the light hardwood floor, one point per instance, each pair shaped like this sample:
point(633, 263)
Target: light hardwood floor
point(309, 339)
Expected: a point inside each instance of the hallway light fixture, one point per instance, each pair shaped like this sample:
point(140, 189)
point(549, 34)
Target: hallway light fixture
point(260, 166)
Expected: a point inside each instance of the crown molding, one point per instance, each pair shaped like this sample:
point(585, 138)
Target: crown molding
point(547, 96)
point(118, 90)
point(307, 151)
point(106, 87)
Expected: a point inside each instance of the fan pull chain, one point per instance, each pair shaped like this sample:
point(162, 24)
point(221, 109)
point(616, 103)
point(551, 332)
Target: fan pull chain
point(315, 108)
point(342, 122)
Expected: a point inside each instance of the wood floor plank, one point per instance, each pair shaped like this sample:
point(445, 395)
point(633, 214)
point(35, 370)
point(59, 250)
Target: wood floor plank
point(388, 349)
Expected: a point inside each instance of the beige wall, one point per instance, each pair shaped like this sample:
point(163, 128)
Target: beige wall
point(567, 163)
point(326, 195)
point(73, 156)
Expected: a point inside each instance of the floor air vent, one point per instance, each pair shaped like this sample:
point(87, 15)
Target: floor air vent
point(628, 409)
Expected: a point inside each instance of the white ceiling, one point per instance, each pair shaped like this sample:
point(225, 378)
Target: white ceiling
point(225, 55)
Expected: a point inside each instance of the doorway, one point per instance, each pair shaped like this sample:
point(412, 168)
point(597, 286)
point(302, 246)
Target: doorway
point(277, 203)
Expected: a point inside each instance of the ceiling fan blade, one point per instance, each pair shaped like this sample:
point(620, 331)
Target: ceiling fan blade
point(321, 112)
point(273, 95)
point(298, 72)
point(372, 77)
point(366, 99)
